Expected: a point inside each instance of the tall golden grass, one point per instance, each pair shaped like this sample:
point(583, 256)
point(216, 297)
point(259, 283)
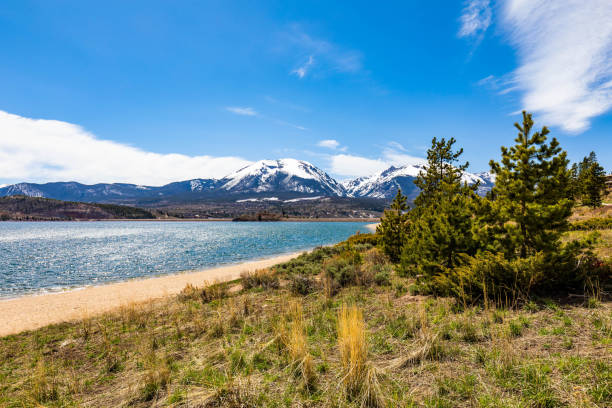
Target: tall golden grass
point(360, 379)
point(297, 346)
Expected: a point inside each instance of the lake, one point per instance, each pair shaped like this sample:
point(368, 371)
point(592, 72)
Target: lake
point(51, 256)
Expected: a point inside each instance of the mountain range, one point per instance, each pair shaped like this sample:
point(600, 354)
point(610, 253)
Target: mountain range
point(284, 179)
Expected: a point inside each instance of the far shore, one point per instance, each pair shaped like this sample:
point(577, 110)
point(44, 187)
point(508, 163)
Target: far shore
point(30, 312)
point(347, 219)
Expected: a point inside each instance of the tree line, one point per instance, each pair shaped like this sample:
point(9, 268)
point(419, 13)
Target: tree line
point(508, 244)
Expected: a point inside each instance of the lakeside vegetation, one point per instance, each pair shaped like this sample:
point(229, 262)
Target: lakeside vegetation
point(471, 314)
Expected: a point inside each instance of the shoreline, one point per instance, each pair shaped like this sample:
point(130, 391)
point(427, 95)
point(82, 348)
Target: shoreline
point(32, 311)
point(372, 227)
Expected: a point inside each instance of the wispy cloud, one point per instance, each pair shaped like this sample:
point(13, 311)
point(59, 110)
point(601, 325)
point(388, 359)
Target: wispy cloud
point(283, 123)
point(49, 150)
point(565, 53)
point(245, 111)
point(303, 70)
point(475, 18)
point(329, 143)
point(327, 55)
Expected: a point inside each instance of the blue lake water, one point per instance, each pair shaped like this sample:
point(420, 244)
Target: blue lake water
point(49, 256)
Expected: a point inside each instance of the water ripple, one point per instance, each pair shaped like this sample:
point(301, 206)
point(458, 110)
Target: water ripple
point(47, 256)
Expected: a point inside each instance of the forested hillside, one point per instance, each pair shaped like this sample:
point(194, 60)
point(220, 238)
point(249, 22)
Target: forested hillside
point(24, 208)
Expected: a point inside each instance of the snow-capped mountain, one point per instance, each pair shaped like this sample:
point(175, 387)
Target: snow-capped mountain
point(284, 175)
point(386, 183)
point(290, 179)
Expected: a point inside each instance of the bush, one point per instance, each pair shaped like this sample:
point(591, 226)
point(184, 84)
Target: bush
point(592, 224)
point(206, 294)
point(341, 270)
point(375, 257)
point(383, 275)
point(309, 263)
point(302, 285)
point(496, 277)
point(262, 278)
point(215, 291)
point(368, 240)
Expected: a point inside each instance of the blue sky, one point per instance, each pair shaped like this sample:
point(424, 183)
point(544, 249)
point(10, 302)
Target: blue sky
point(158, 91)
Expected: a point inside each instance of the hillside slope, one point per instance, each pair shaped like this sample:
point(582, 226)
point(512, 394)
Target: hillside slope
point(39, 209)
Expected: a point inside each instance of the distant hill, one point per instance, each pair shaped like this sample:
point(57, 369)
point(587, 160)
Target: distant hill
point(40, 209)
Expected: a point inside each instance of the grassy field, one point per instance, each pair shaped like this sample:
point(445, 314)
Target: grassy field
point(287, 337)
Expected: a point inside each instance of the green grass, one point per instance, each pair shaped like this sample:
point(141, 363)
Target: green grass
point(226, 348)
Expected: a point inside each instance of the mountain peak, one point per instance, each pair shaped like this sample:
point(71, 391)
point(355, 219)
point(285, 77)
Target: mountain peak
point(385, 184)
point(289, 175)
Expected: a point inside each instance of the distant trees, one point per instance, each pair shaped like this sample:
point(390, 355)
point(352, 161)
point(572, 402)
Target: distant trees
point(504, 245)
point(590, 181)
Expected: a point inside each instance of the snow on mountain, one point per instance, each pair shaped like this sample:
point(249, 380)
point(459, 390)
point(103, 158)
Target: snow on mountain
point(284, 175)
point(385, 184)
point(26, 189)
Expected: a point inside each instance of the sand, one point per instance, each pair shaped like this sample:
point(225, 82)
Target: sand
point(34, 311)
point(372, 227)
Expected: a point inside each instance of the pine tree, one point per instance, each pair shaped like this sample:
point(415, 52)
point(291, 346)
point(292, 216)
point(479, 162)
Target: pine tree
point(532, 197)
point(440, 169)
point(393, 227)
point(591, 181)
point(441, 222)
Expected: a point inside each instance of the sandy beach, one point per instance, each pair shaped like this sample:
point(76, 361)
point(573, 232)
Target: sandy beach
point(34, 311)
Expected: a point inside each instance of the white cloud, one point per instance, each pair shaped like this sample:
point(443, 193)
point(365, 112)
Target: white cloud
point(303, 70)
point(347, 165)
point(475, 18)
point(49, 150)
point(565, 54)
point(396, 158)
point(246, 111)
point(329, 143)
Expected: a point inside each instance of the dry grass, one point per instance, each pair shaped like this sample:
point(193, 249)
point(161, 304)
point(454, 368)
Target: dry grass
point(359, 378)
point(295, 341)
point(582, 213)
